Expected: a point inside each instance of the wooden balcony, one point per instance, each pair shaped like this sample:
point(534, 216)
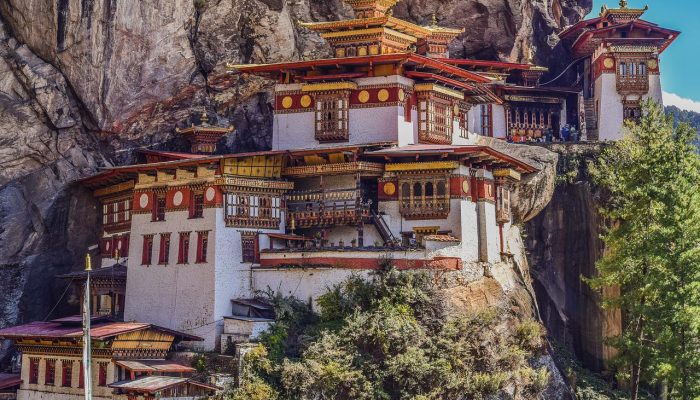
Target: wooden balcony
point(252, 222)
point(633, 84)
point(425, 209)
point(502, 216)
point(326, 208)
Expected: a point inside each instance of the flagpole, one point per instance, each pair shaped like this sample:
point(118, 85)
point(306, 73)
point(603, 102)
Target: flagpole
point(87, 342)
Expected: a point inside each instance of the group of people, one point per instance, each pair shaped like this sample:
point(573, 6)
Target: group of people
point(568, 133)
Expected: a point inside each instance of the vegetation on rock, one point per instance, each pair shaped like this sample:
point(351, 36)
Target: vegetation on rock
point(388, 338)
point(654, 252)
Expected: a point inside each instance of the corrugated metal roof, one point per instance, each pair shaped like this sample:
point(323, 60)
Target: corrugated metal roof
point(9, 380)
point(100, 331)
point(152, 384)
point(154, 366)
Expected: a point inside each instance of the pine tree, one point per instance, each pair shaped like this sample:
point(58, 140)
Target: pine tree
point(653, 179)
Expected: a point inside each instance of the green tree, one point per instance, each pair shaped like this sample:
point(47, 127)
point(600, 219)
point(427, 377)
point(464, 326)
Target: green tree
point(653, 252)
point(388, 338)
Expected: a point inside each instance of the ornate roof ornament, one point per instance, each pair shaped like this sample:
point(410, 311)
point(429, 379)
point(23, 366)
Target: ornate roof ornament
point(622, 14)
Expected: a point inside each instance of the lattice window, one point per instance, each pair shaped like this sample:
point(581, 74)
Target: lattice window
point(147, 250)
point(332, 117)
point(249, 246)
point(463, 116)
point(631, 110)
point(164, 255)
point(50, 372)
point(34, 370)
point(502, 204)
point(202, 245)
point(183, 254)
point(487, 119)
point(435, 119)
point(253, 210)
point(159, 208)
point(102, 374)
point(425, 197)
point(632, 75)
point(116, 214)
point(196, 208)
point(66, 373)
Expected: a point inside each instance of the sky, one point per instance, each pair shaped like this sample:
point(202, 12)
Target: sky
point(680, 63)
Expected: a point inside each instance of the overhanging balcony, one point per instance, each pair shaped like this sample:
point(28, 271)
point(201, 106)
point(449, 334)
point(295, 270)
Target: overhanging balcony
point(326, 208)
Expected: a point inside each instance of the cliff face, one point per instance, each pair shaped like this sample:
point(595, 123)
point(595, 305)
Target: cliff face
point(563, 244)
point(84, 81)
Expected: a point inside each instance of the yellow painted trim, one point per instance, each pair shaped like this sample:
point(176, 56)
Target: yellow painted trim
point(507, 173)
point(422, 166)
point(120, 187)
point(432, 87)
point(320, 87)
point(369, 31)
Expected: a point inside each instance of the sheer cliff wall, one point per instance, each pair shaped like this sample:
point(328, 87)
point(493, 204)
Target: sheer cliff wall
point(563, 244)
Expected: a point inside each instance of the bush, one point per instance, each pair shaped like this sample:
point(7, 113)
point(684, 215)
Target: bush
point(387, 338)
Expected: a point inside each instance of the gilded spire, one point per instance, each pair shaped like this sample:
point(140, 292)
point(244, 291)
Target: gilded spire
point(434, 22)
point(623, 3)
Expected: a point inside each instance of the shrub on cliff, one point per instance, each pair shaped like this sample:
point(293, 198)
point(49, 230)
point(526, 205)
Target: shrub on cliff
point(387, 338)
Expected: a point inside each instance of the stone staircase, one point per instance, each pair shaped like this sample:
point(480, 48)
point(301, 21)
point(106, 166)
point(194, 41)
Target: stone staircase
point(591, 119)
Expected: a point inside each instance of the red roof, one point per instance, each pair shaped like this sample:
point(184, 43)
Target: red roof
point(9, 380)
point(171, 155)
point(408, 58)
point(438, 149)
point(99, 331)
point(508, 66)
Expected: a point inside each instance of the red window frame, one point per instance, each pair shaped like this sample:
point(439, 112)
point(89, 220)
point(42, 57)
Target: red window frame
point(164, 253)
point(50, 372)
point(66, 373)
point(81, 377)
point(33, 371)
point(102, 374)
point(202, 244)
point(147, 250)
point(196, 205)
point(159, 208)
point(250, 247)
point(183, 254)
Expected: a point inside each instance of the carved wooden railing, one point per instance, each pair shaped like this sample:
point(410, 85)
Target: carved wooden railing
point(324, 208)
point(632, 83)
point(430, 208)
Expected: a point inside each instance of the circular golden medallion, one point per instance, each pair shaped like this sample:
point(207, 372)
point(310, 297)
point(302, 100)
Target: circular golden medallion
point(287, 102)
point(465, 187)
point(608, 63)
point(383, 95)
point(305, 100)
point(652, 64)
point(389, 188)
point(363, 96)
point(402, 95)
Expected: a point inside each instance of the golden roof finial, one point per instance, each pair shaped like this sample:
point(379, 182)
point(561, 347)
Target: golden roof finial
point(205, 118)
point(434, 23)
point(623, 3)
point(88, 262)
